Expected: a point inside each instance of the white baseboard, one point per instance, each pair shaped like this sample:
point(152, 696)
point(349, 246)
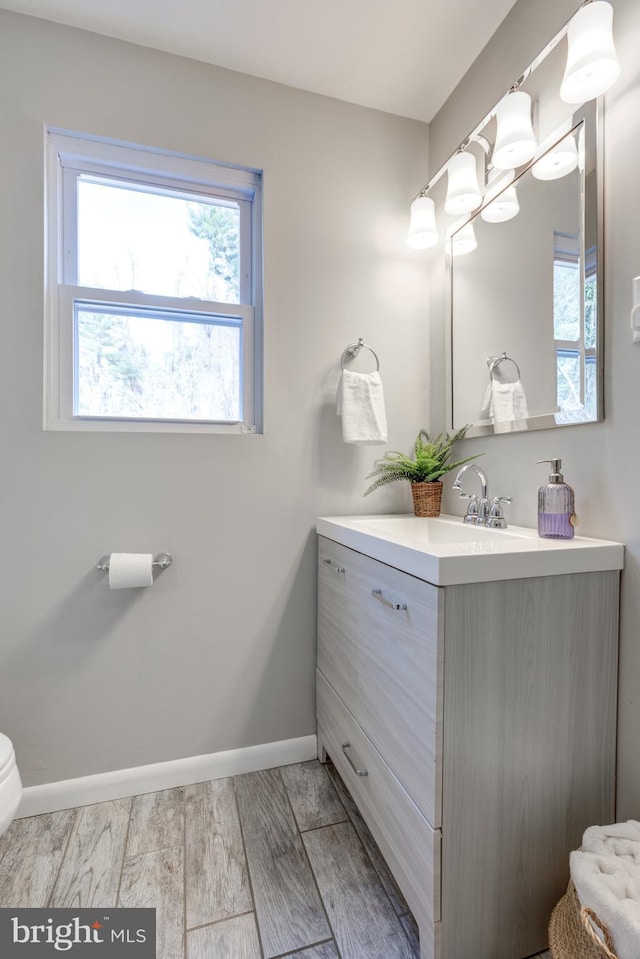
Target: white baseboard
point(122, 783)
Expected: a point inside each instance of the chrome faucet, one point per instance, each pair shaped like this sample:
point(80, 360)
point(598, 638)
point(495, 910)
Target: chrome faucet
point(477, 511)
point(481, 512)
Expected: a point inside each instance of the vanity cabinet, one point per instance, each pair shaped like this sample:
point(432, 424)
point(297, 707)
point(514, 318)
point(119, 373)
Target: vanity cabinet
point(474, 725)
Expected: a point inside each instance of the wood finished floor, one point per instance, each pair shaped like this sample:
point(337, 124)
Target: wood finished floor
point(258, 866)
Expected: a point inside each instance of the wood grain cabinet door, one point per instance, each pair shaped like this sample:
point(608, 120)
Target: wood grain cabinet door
point(400, 673)
point(338, 626)
point(380, 646)
point(409, 844)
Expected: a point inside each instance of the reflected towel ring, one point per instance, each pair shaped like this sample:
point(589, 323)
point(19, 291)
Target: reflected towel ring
point(352, 351)
point(493, 361)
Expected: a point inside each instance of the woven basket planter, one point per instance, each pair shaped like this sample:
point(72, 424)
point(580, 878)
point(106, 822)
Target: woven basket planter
point(572, 931)
point(427, 498)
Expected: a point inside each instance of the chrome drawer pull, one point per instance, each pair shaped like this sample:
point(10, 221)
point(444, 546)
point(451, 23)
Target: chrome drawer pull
point(377, 594)
point(338, 569)
point(358, 772)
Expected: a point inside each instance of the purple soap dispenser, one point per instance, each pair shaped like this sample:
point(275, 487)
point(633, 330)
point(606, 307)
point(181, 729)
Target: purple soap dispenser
point(556, 505)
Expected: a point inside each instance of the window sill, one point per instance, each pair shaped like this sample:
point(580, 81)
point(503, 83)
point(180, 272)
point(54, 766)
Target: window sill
point(89, 424)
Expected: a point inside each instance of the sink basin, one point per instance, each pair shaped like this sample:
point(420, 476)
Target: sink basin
point(423, 530)
point(445, 551)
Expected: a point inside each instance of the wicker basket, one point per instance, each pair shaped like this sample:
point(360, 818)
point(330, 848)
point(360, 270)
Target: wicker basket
point(427, 498)
point(572, 932)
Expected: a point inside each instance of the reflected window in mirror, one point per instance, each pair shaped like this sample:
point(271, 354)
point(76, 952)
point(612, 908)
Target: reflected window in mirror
point(574, 330)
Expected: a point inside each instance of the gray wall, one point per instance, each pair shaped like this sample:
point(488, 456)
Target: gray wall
point(601, 461)
point(220, 652)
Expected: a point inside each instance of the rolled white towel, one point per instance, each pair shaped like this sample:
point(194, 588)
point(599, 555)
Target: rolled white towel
point(620, 839)
point(608, 882)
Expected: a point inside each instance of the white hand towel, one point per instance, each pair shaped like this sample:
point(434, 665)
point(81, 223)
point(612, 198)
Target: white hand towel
point(505, 402)
point(611, 888)
point(361, 406)
point(485, 409)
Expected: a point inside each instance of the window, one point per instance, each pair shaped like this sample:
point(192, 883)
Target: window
point(153, 290)
point(574, 331)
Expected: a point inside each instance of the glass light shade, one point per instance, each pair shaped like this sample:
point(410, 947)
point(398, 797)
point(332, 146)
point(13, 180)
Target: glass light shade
point(592, 65)
point(557, 162)
point(515, 139)
point(501, 199)
point(463, 192)
point(464, 241)
point(423, 231)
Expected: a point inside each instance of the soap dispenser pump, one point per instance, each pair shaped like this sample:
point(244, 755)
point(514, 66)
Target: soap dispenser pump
point(556, 505)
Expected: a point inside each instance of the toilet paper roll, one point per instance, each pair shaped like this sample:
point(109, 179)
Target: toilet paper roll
point(130, 569)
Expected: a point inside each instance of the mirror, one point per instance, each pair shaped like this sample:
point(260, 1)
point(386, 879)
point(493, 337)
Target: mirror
point(525, 344)
point(525, 312)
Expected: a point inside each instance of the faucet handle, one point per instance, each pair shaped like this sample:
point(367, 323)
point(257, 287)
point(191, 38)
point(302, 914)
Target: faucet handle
point(496, 518)
point(471, 516)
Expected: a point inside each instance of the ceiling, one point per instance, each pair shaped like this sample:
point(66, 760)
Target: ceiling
point(401, 56)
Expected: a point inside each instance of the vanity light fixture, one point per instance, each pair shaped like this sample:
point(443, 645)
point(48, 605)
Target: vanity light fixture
point(501, 198)
point(463, 241)
point(591, 67)
point(515, 139)
point(558, 161)
point(592, 64)
point(463, 192)
point(423, 231)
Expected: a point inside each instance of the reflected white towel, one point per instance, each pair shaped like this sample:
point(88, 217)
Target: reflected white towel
point(361, 406)
point(505, 402)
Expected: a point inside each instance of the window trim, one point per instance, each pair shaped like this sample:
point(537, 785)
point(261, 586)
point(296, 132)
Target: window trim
point(66, 157)
point(571, 256)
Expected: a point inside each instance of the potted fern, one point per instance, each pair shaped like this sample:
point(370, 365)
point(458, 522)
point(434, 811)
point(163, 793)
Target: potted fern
point(430, 461)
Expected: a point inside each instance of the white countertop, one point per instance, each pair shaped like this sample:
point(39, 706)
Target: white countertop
point(445, 551)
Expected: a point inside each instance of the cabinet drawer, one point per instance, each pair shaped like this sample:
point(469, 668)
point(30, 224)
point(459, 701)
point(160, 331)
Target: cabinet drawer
point(408, 843)
point(386, 663)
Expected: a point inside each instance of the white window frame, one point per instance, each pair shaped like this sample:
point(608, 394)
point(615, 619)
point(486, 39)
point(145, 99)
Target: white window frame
point(69, 155)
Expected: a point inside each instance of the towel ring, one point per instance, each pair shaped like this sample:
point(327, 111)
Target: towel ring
point(493, 361)
point(352, 351)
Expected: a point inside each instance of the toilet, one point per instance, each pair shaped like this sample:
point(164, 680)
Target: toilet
point(10, 783)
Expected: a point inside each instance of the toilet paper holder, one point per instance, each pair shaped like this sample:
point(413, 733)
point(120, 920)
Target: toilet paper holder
point(161, 561)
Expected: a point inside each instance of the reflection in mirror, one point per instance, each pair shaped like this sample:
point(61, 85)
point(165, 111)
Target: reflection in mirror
point(525, 328)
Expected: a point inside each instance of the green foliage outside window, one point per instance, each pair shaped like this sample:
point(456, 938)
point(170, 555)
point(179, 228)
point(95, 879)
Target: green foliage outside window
point(149, 367)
